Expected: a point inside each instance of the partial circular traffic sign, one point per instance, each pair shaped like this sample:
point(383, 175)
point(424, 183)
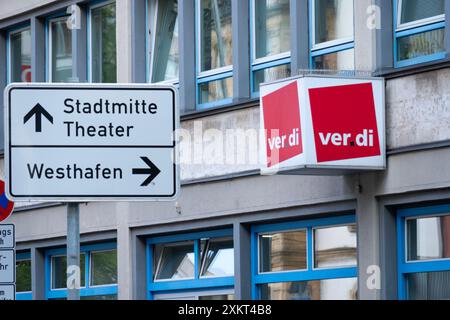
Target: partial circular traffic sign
point(6, 205)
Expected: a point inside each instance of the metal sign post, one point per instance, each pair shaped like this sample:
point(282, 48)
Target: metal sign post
point(73, 252)
point(78, 142)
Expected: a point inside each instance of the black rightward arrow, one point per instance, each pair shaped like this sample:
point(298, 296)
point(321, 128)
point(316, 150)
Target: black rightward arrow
point(152, 171)
point(38, 111)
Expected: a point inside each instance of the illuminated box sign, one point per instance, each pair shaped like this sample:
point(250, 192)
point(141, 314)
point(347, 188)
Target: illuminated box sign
point(323, 125)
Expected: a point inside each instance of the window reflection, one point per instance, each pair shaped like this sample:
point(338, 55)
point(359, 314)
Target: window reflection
point(271, 74)
point(428, 286)
point(412, 10)
point(165, 46)
point(341, 60)
point(103, 267)
point(174, 261)
point(104, 44)
point(283, 251)
point(61, 51)
point(272, 27)
point(428, 238)
point(335, 247)
point(23, 275)
point(59, 271)
point(216, 34)
point(217, 257)
point(333, 20)
point(421, 44)
point(20, 56)
point(333, 289)
point(216, 90)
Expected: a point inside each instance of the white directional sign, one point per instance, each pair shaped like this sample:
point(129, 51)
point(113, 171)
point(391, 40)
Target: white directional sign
point(91, 142)
point(7, 292)
point(7, 236)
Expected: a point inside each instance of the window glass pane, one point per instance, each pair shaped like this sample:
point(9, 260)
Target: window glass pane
point(217, 257)
point(222, 297)
point(165, 51)
point(412, 10)
point(270, 74)
point(335, 247)
point(61, 51)
point(216, 90)
point(20, 56)
point(334, 289)
point(428, 286)
point(23, 275)
point(341, 60)
point(421, 44)
point(174, 261)
point(103, 38)
point(333, 20)
point(272, 27)
point(282, 251)
point(103, 268)
point(216, 34)
point(428, 238)
point(59, 269)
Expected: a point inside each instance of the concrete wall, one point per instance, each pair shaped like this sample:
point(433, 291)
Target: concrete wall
point(10, 8)
point(418, 109)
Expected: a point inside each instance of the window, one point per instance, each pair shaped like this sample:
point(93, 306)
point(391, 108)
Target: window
point(332, 35)
point(102, 35)
point(23, 276)
point(424, 253)
point(19, 55)
point(164, 54)
point(192, 266)
point(215, 53)
point(419, 31)
point(305, 260)
point(98, 266)
point(271, 43)
point(59, 51)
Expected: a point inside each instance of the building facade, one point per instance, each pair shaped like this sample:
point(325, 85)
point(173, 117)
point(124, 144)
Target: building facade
point(234, 233)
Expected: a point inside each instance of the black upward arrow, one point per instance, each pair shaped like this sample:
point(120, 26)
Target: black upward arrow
point(152, 171)
point(38, 111)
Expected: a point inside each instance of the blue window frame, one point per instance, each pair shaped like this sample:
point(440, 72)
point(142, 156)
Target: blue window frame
point(304, 255)
point(194, 278)
point(214, 53)
point(419, 28)
point(18, 54)
point(23, 276)
point(423, 240)
point(90, 287)
point(332, 35)
point(269, 51)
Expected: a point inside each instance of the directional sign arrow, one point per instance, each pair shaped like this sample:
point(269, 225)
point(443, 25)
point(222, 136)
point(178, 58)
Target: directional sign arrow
point(38, 111)
point(152, 171)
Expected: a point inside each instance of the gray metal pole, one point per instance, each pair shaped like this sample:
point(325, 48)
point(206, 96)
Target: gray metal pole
point(73, 209)
point(73, 251)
